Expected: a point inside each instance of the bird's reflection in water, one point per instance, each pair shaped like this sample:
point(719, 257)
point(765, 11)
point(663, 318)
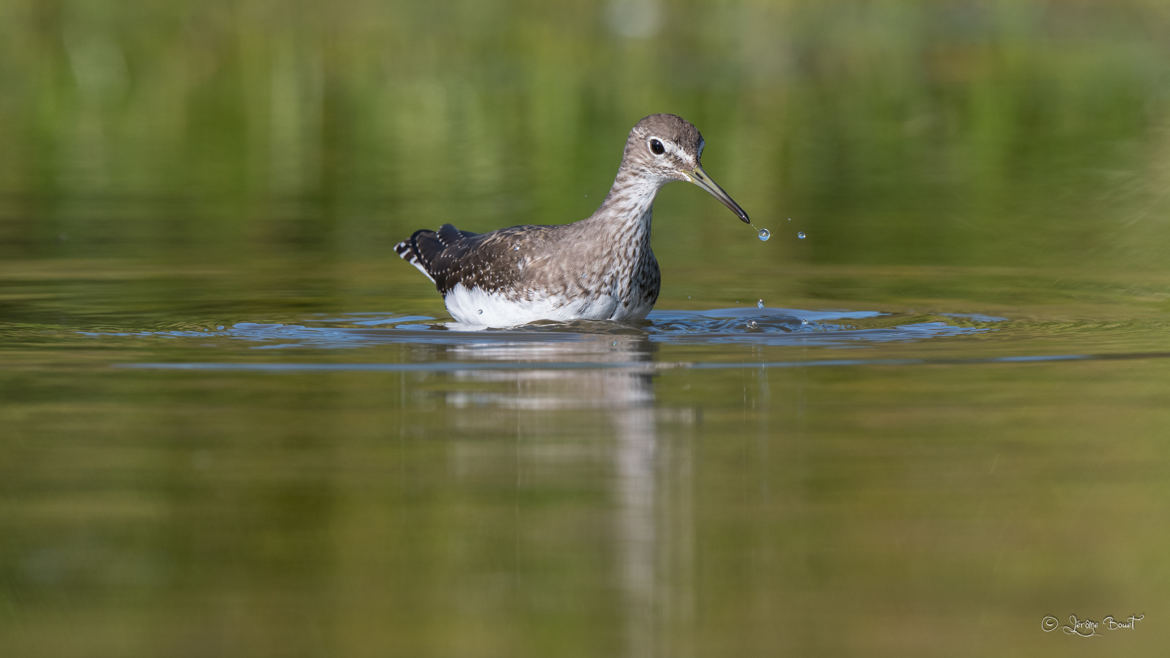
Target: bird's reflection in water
point(610, 375)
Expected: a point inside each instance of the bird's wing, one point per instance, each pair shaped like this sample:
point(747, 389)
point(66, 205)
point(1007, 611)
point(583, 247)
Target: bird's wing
point(425, 247)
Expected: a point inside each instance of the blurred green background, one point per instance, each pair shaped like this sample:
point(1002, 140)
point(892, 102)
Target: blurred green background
point(990, 133)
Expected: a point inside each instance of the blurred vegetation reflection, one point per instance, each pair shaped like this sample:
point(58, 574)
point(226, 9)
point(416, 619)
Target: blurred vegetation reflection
point(910, 132)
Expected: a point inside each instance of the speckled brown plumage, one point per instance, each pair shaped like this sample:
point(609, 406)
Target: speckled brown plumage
point(599, 268)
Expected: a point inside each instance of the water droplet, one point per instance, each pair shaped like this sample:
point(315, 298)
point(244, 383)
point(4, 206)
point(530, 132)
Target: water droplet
point(800, 235)
point(760, 304)
point(765, 234)
point(790, 219)
point(480, 311)
point(752, 324)
point(516, 248)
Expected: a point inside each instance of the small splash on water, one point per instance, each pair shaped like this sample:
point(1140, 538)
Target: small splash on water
point(760, 304)
point(752, 325)
point(764, 234)
point(800, 235)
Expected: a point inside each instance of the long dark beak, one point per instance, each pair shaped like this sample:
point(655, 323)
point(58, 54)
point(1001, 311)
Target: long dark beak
point(700, 178)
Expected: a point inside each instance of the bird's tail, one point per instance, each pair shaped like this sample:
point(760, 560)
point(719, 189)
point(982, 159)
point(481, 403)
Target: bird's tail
point(419, 249)
point(424, 246)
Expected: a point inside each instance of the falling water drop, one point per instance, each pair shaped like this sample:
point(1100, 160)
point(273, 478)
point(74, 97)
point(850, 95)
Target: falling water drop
point(800, 235)
point(765, 234)
point(760, 304)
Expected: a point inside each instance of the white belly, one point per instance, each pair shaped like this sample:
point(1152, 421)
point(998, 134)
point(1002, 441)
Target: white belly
point(473, 306)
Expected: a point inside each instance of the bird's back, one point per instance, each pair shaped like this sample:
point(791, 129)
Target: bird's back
point(493, 261)
point(525, 273)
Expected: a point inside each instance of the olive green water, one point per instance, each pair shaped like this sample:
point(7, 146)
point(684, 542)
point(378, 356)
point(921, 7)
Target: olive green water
point(232, 424)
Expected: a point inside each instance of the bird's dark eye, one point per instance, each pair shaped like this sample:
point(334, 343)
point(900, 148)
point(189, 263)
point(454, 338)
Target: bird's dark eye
point(656, 147)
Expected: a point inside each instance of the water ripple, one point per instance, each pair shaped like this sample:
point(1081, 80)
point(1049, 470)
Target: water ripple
point(746, 326)
point(601, 345)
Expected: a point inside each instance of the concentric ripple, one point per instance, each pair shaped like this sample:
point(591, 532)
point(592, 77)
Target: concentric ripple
point(766, 326)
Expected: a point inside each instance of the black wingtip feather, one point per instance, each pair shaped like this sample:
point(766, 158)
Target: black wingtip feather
point(425, 246)
point(419, 250)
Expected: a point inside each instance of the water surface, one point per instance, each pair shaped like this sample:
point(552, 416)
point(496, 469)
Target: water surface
point(232, 424)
